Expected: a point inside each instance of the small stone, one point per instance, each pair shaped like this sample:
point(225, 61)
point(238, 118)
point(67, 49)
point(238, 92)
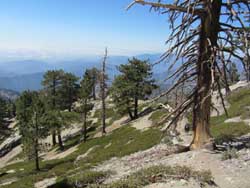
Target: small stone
point(10, 171)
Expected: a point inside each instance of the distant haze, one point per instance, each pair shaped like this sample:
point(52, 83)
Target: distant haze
point(27, 74)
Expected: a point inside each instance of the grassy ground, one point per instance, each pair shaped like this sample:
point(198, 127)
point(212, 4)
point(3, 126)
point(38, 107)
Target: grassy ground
point(123, 141)
point(239, 103)
point(157, 115)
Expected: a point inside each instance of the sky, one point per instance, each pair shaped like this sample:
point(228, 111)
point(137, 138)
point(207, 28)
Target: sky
point(79, 27)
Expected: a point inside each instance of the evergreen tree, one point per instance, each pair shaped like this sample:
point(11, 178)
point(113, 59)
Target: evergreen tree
point(134, 83)
point(54, 119)
point(233, 73)
point(3, 111)
point(68, 90)
point(85, 95)
point(52, 83)
point(95, 74)
point(30, 116)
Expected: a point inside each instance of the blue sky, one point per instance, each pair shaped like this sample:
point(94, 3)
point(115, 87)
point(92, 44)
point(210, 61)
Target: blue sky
point(80, 27)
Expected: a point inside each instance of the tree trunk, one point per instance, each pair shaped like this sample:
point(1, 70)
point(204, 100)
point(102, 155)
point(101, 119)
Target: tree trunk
point(60, 142)
point(94, 93)
point(85, 127)
point(103, 92)
point(53, 137)
point(130, 114)
point(248, 70)
point(209, 35)
point(135, 107)
point(54, 106)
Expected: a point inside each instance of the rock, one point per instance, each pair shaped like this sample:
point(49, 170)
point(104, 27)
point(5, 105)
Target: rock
point(9, 144)
point(10, 171)
point(46, 183)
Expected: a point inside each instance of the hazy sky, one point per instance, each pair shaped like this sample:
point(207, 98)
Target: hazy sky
point(81, 27)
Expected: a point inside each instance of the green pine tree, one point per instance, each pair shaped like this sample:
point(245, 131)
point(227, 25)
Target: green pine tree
point(52, 83)
point(233, 74)
point(68, 90)
point(133, 84)
point(95, 74)
point(30, 116)
point(3, 111)
point(85, 105)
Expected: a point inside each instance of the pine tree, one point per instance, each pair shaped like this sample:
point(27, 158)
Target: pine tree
point(68, 90)
point(103, 92)
point(95, 74)
point(85, 105)
point(134, 83)
point(30, 116)
point(53, 118)
point(52, 83)
point(233, 73)
point(3, 111)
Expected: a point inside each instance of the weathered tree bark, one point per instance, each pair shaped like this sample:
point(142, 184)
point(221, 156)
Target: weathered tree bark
point(208, 37)
point(54, 106)
point(103, 92)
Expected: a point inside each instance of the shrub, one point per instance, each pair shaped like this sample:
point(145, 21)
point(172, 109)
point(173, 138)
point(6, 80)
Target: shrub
point(230, 153)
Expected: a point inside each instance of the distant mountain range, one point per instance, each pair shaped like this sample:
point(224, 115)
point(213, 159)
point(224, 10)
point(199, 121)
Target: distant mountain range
point(28, 74)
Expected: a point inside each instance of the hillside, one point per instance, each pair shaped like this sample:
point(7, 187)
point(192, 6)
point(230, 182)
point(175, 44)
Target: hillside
point(8, 94)
point(136, 154)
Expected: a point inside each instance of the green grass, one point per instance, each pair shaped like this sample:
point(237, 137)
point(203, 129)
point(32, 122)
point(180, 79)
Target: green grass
point(157, 115)
point(239, 101)
point(110, 113)
point(124, 141)
point(225, 132)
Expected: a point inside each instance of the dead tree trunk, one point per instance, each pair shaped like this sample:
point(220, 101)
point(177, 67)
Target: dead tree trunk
point(103, 91)
point(54, 106)
point(207, 59)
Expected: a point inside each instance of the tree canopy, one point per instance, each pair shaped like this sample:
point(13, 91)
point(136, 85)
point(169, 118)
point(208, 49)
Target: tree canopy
point(133, 84)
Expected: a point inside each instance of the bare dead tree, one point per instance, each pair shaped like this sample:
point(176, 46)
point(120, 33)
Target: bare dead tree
point(103, 87)
point(203, 36)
